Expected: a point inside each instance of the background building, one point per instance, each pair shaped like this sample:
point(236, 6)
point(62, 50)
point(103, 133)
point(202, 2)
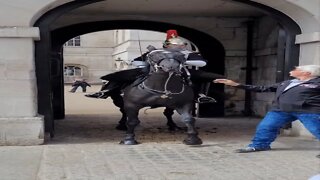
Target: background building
point(93, 55)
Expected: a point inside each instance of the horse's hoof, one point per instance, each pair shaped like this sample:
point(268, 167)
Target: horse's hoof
point(172, 129)
point(192, 141)
point(121, 127)
point(129, 142)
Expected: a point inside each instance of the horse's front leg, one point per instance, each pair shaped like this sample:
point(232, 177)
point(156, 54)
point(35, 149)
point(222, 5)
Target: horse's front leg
point(132, 121)
point(187, 118)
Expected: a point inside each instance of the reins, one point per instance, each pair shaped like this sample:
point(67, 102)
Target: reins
point(166, 91)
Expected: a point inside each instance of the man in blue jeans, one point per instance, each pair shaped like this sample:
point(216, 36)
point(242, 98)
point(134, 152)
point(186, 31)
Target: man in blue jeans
point(296, 99)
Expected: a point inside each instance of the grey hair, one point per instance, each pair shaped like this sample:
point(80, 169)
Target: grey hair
point(313, 69)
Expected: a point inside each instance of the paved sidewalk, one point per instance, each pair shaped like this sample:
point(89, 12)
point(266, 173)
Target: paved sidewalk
point(86, 148)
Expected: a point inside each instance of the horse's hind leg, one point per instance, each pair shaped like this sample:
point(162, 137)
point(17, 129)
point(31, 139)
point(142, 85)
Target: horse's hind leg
point(187, 118)
point(118, 101)
point(132, 122)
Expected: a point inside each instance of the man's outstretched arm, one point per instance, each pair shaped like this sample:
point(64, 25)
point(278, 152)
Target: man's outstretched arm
point(271, 88)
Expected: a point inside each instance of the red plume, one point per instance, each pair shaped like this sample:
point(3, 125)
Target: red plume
point(172, 34)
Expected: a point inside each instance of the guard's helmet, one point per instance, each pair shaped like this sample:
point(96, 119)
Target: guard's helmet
point(172, 38)
point(174, 41)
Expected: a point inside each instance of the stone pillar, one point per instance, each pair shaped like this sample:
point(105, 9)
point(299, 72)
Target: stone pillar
point(19, 122)
point(309, 48)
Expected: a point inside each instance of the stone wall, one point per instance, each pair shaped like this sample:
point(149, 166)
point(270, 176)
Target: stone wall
point(264, 59)
point(19, 120)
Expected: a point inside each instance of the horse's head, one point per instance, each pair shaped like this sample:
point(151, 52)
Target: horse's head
point(166, 60)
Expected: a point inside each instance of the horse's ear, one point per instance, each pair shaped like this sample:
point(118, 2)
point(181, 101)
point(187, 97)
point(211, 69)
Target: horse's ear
point(151, 48)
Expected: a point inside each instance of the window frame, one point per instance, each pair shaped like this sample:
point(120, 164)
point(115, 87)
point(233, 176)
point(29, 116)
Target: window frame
point(74, 71)
point(74, 42)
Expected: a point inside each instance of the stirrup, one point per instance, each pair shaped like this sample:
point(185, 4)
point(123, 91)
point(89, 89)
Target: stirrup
point(205, 99)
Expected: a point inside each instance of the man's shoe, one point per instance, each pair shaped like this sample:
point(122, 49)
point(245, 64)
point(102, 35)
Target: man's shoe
point(205, 99)
point(251, 149)
point(318, 156)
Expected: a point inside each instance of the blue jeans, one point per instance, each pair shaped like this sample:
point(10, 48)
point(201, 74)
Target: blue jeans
point(269, 127)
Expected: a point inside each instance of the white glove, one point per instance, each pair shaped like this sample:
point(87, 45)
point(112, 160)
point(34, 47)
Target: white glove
point(197, 63)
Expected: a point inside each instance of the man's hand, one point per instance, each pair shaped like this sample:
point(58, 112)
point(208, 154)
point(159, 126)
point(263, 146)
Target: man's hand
point(226, 82)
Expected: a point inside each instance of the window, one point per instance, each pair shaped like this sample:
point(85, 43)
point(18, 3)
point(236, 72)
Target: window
point(74, 42)
point(71, 71)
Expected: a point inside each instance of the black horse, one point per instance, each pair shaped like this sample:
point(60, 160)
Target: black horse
point(165, 86)
point(118, 83)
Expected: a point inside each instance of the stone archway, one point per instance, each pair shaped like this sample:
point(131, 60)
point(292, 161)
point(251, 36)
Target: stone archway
point(48, 51)
point(204, 42)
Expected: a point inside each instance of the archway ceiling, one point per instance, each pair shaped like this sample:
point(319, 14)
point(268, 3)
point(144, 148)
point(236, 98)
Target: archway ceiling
point(171, 11)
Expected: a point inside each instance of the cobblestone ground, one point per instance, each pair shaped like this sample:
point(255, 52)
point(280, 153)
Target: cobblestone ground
point(86, 147)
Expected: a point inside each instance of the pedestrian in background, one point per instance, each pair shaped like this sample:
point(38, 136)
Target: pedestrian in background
point(79, 83)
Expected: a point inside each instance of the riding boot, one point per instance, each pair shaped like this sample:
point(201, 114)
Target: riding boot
point(205, 99)
point(105, 91)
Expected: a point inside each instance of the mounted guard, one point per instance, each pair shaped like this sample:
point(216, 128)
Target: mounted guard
point(166, 85)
